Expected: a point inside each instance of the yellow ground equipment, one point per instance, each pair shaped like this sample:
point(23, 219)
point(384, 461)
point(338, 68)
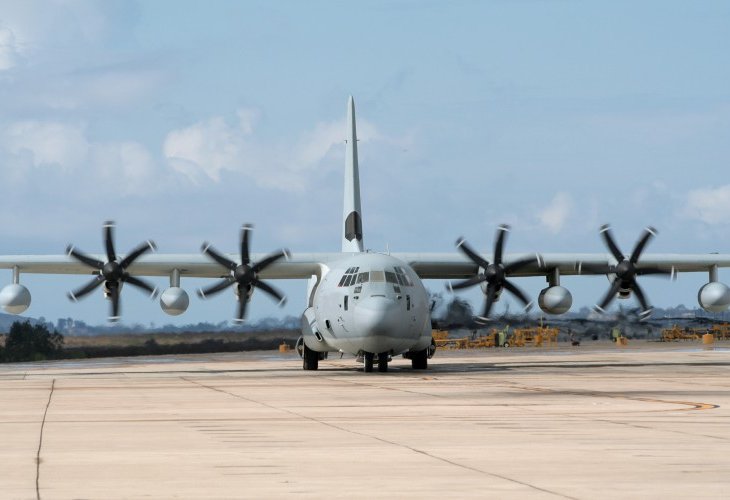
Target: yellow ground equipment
point(536, 335)
point(675, 333)
point(493, 339)
point(721, 331)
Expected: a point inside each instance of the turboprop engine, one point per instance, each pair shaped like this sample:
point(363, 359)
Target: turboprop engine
point(14, 298)
point(714, 297)
point(555, 300)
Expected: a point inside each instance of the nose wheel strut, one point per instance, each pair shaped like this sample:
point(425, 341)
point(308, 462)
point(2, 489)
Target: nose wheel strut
point(369, 358)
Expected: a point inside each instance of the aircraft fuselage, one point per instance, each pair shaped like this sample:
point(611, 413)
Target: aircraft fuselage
point(370, 303)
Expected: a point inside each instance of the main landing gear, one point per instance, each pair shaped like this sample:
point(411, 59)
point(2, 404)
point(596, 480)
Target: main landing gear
point(310, 358)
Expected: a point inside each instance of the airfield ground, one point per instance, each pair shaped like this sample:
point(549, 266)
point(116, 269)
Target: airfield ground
point(597, 421)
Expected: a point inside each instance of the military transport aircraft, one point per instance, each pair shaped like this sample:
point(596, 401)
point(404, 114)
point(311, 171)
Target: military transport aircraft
point(369, 304)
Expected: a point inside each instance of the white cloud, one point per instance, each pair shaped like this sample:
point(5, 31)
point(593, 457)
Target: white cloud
point(9, 50)
point(48, 143)
point(709, 205)
point(207, 147)
point(210, 147)
point(554, 216)
point(36, 151)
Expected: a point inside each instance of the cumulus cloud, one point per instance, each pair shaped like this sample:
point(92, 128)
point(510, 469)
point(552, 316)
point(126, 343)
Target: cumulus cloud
point(32, 149)
point(709, 205)
point(207, 149)
point(9, 49)
point(556, 213)
point(48, 143)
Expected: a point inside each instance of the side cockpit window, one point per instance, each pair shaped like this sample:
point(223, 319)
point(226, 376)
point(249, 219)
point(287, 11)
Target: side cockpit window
point(402, 277)
point(349, 277)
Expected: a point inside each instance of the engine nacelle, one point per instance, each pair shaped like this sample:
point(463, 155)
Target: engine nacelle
point(15, 299)
point(174, 301)
point(555, 300)
point(714, 297)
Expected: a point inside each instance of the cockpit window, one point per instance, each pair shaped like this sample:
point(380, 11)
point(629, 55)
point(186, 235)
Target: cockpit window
point(349, 277)
point(363, 278)
point(390, 277)
point(402, 277)
point(377, 276)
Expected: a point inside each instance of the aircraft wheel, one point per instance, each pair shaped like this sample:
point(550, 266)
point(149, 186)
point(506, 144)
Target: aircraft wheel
point(383, 362)
point(419, 360)
point(369, 358)
point(310, 359)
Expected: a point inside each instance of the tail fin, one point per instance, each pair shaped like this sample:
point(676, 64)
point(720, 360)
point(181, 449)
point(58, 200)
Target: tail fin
point(352, 213)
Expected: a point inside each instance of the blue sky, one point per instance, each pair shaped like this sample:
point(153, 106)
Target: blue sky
point(181, 120)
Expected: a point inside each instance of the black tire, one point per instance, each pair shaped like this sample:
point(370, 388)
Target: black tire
point(310, 359)
point(369, 358)
point(383, 362)
point(419, 360)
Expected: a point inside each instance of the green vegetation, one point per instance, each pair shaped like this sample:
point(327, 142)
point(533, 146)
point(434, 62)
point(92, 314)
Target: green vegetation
point(26, 342)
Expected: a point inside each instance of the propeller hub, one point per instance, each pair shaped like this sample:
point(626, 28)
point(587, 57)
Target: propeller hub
point(494, 273)
point(243, 273)
point(112, 271)
point(625, 270)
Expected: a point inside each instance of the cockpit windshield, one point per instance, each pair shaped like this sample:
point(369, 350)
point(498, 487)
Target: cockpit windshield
point(396, 276)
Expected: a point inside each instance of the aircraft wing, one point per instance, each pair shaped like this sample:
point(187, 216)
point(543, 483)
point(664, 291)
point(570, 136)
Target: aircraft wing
point(304, 265)
point(457, 266)
point(298, 266)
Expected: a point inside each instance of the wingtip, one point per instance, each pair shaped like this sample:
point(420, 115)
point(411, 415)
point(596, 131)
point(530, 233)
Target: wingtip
point(287, 254)
point(449, 287)
point(204, 247)
point(282, 302)
point(109, 223)
point(504, 227)
point(460, 241)
point(71, 297)
point(114, 319)
point(69, 249)
point(152, 245)
point(604, 228)
point(652, 230)
point(199, 292)
point(247, 227)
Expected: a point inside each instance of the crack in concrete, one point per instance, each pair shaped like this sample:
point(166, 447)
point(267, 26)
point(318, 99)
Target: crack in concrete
point(40, 443)
point(382, 440)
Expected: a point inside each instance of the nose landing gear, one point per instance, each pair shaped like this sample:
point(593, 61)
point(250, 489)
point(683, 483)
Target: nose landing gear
point(369, 359)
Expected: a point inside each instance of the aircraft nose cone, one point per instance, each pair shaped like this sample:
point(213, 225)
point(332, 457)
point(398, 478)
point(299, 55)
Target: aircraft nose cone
point(377, 316)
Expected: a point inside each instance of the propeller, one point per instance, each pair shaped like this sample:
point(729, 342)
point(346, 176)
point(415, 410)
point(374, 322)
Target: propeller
point(626, 270)
point(113, 272)
point(243, 275)
point(494, 274)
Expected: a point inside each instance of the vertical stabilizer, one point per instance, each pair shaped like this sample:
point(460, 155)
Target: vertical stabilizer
point(352, 213)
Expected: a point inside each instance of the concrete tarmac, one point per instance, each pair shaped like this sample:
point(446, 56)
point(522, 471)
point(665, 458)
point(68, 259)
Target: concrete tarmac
point(647, 421)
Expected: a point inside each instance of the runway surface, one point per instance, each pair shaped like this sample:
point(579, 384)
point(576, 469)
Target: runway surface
point(648, 421)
